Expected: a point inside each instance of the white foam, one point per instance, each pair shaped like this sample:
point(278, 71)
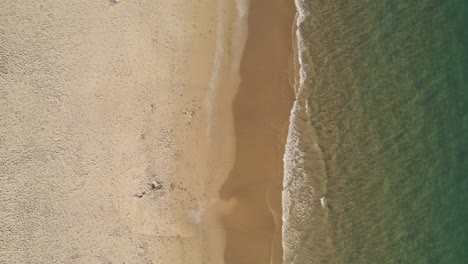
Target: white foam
point(303, 197)
point(301, 14)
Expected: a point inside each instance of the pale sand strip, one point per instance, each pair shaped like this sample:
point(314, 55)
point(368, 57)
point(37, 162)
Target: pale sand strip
point(224, 83)
point(102, 129)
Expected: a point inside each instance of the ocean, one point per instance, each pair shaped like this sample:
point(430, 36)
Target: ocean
point(376, 164)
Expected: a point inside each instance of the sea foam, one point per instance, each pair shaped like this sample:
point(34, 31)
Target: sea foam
point(306, 230)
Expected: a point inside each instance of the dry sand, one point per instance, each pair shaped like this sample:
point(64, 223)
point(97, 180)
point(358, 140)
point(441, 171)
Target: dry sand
point(103, 125)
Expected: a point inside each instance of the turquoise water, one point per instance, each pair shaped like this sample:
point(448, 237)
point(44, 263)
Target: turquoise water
point(388, 98)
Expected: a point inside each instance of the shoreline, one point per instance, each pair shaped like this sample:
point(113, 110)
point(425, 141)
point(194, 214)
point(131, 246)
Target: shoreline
point(305, 194)
point(126, 117)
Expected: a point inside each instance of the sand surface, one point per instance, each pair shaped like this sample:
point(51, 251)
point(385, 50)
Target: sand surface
point(102, 111)
point(141, 132)
point(261, 111)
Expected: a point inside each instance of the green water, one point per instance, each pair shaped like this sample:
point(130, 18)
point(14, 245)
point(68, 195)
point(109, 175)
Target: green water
point(389, 101)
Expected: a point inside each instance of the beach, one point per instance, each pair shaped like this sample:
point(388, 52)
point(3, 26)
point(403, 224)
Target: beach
point(261, 110)
point(233, 132)
point(122, 131)
point(102, 112)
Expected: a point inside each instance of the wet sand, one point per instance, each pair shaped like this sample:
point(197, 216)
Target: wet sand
point(261, 113)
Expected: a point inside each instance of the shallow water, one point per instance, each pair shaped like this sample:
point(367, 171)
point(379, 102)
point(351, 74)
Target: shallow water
point(385, 92)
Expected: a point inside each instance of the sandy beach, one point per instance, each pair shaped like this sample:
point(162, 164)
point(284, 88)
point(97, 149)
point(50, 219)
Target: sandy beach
point(143, 131)
point(102, 113)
